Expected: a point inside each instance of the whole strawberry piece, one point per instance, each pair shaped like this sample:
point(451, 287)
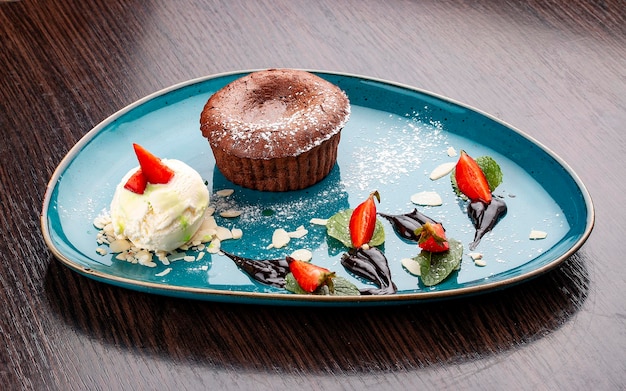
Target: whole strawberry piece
point(363, 221)
point(310, 276)
point(154, 170)
point(471, 179)
point(137, 182)
point(432, 237)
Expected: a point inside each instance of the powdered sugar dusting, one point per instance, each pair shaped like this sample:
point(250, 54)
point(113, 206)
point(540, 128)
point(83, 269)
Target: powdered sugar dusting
point(291, 135)
point(274, 114)
point(398, 147)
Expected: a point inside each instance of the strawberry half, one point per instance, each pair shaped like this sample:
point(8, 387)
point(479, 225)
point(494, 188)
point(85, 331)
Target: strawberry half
point(471, 179)
point(432, 237)
point(310, 276)
point(363, 221)
point(154, 170)
point(137, 182)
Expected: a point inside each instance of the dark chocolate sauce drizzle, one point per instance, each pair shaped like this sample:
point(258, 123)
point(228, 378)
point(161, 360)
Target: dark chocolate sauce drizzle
point(485, 216)
point(406, 224)
point(268, 271)
point(372, 265)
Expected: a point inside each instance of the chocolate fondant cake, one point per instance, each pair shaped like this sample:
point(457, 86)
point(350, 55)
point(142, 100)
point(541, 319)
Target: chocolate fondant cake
point(275, 130)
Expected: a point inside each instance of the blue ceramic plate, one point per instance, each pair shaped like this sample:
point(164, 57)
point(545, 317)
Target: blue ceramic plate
point(395, 137)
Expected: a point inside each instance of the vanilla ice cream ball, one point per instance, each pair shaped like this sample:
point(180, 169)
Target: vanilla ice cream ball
point(165, 216)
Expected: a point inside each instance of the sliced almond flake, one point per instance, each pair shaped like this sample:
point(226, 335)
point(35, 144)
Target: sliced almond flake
point(101, 221)
point(298, 233)
point(537, 235)
point(200, 255)
point(108, 230)
point(122, 256)
point(427, 198)
point(475, 256)
point(223, 233)
point(214, 246)
point(143, 256)
point(209, 211)
point(480, 262)
point(280, 238)
point(230, 213)
point(442, 170)
point(411, 265)
point(302, 255)
point(224, 192)
point(451, 152)
point(210, 222)
point(164, 272)
point(236, 233)
point(149, 264)
point(101, 251)
point(189, 258)
point(119, 245)
point(176, 256)
point(318, 221)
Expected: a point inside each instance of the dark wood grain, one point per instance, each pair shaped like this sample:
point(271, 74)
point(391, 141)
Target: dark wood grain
point(555, 69)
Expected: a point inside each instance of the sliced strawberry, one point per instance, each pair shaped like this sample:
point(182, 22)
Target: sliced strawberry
point(471, 180)
point(153, 169)
point(137, 182)
point(432, 237)
point(363, 221)
point(310, 276)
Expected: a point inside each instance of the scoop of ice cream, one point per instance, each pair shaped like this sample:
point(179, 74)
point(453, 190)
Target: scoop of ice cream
point(165, 216)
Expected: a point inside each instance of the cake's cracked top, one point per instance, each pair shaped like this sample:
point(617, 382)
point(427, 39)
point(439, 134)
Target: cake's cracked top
point(274, 113)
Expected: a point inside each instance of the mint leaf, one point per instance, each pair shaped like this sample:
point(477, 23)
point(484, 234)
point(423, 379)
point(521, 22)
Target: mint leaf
point(292, 285)
point(342, 286)
point(492, 171)
point(435, 267)
point(338, 227)
point(490, 168)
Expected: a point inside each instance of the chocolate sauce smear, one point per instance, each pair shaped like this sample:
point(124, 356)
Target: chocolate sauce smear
point(406, 224)
point(268, 271)
point(372, 265)
point(485, 217)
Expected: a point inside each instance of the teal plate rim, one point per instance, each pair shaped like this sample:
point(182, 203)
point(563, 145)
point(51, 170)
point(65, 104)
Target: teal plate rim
point(579, 206)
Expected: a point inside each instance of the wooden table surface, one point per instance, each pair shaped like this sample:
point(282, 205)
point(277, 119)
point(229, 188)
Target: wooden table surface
point(554, 69)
